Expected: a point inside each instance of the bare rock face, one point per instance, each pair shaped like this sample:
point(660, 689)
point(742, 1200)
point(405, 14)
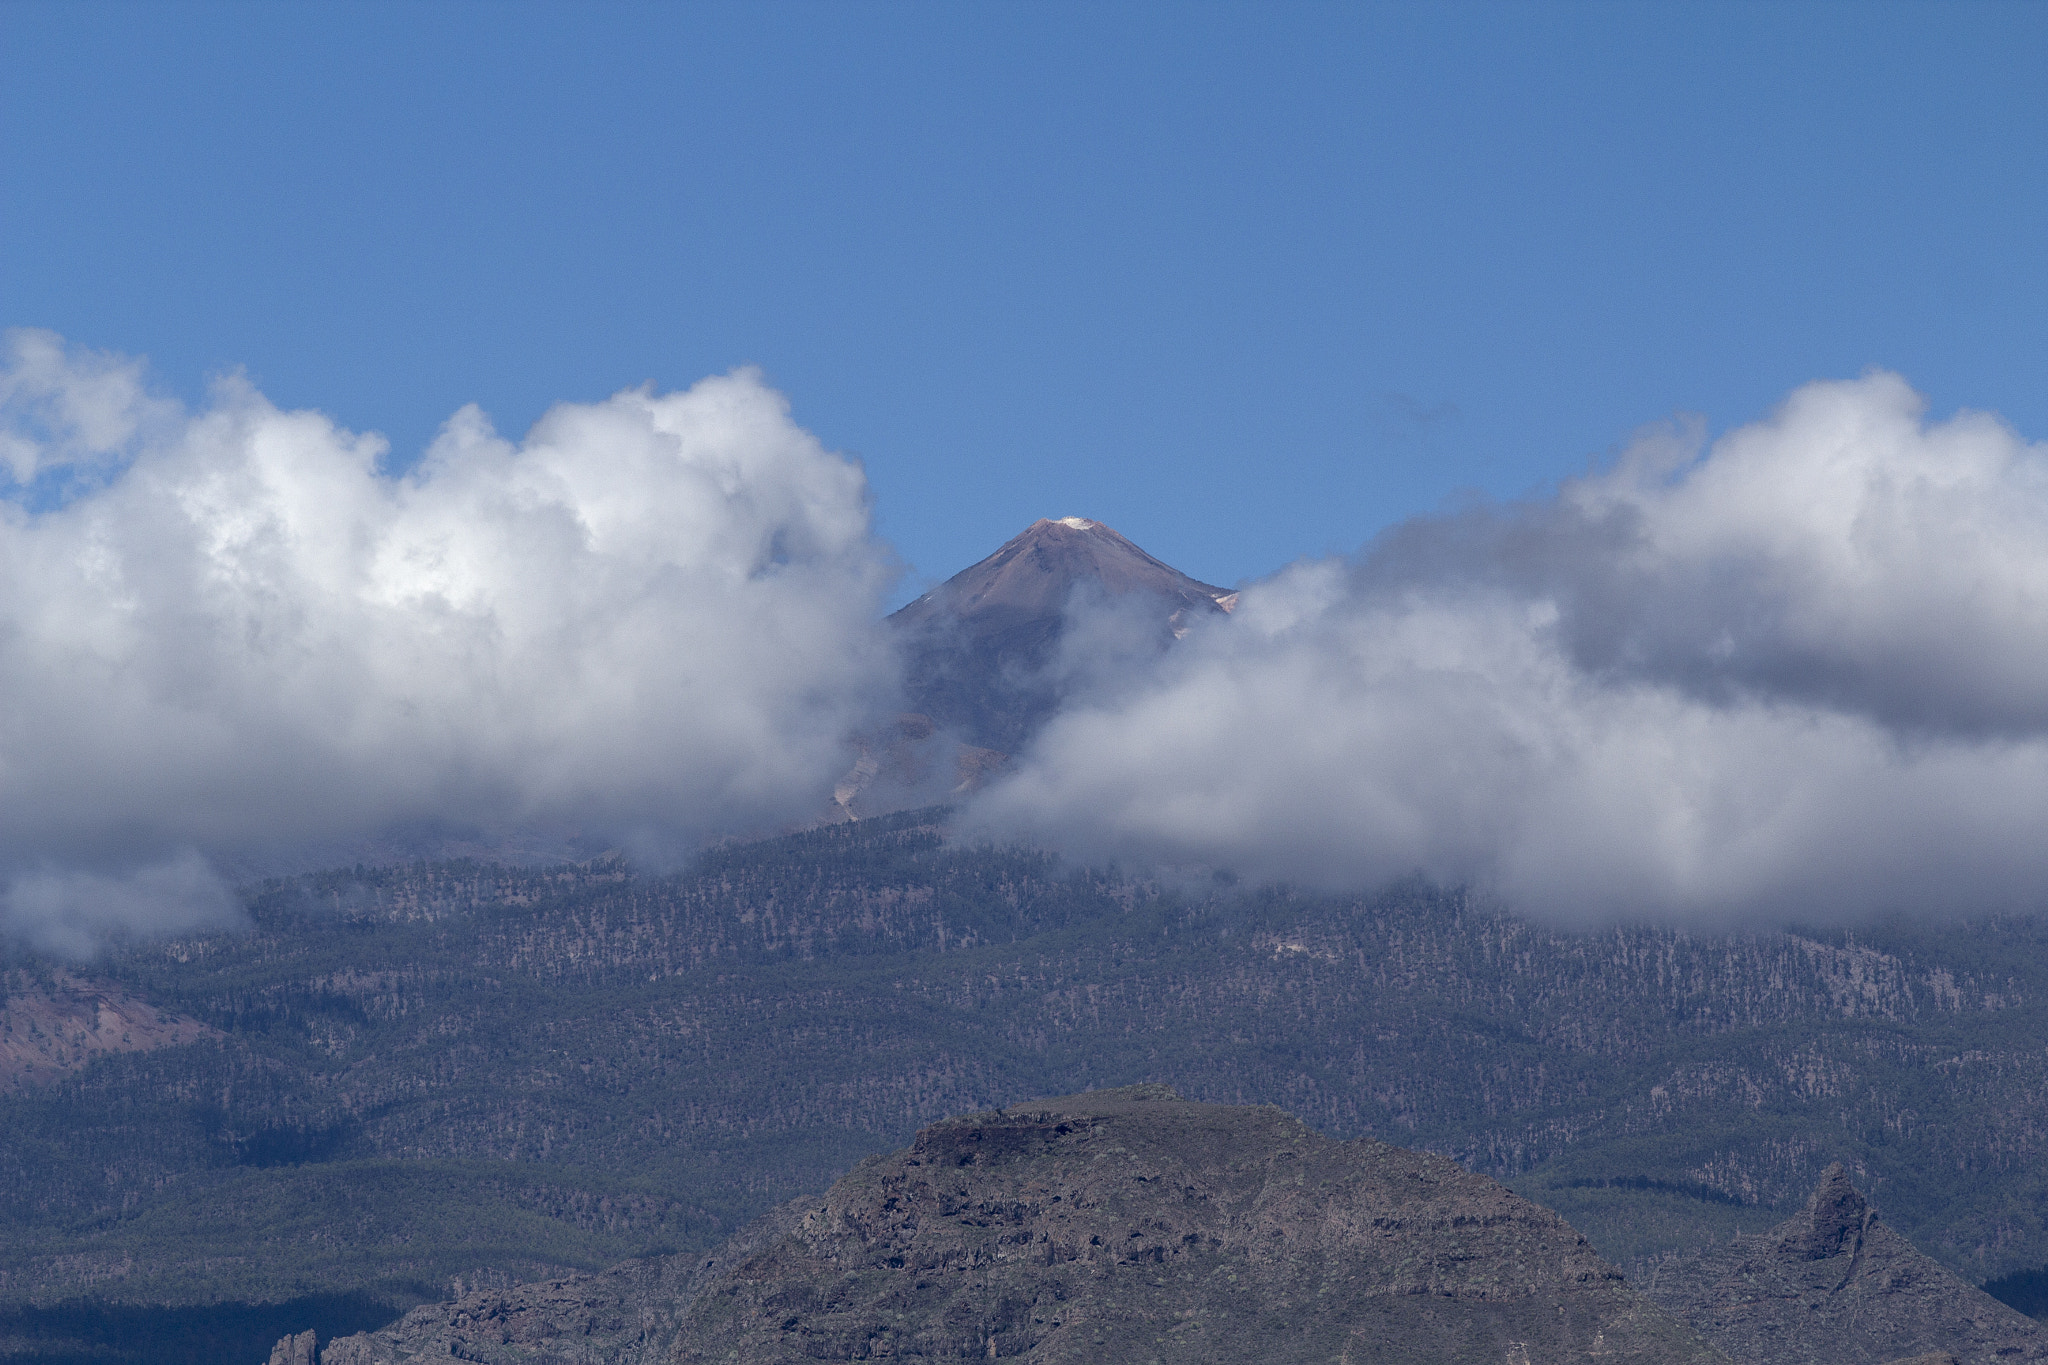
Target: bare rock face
point(1834, 1286)
point(1129, 1225)
point(297, 1350)
point(1835, 1219)
point(626, 1315)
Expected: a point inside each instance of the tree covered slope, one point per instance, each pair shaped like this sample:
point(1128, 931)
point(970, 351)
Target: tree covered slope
point(411, 1081)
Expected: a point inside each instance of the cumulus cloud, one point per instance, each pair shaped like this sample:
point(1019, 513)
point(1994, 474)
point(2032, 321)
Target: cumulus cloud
point(1803, 671)
point(70, 411)
point(653, 618)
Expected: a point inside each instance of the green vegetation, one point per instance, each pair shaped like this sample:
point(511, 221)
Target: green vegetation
point(456, 1072)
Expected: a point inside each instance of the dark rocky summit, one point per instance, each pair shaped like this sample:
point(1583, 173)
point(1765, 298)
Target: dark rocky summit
point(1129, 1225)
point(1124, 1225)
point(1835, 1286)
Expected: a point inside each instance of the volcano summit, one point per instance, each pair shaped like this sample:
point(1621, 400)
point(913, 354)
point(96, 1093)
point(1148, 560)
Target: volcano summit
point(984, 648)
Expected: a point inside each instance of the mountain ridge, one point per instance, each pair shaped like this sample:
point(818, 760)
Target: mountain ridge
point(1124, 1224)
point(1843, 1286)
point(1130, 1224)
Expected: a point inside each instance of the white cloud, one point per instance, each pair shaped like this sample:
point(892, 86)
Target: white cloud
point(69, 408)
point(1803, 672)
point(72, 913)
point(654, 618)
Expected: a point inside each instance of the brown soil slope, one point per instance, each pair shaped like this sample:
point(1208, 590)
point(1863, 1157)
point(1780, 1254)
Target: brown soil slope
point(1130, 1225)
point(48, 1030)
point(1834, 1286)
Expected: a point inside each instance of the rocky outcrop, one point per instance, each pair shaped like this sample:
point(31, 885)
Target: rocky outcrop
point(1834, 1286)
point(295, 1350)
point(1130, 1225)
point(627, 1315)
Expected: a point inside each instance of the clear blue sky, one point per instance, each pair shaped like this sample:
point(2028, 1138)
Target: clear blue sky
point(1247, 282)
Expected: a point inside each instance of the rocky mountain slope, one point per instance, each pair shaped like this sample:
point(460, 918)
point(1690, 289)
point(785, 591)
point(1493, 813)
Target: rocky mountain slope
point(1124, 1225)
point(983, 648)
point(1131, 1225)
point(1832, 1285)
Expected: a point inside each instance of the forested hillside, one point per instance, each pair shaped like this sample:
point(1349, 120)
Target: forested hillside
point(417, 1078)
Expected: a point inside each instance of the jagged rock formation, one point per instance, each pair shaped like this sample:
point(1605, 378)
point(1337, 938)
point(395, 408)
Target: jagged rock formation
point(982, 648)
point(627, 1315)
point(54, 1027)
point(295, 1350)
point(1129, 1225)
point(1835, 1286)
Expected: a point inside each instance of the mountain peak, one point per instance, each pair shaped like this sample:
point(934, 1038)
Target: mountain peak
point(983, 644)
point(1036, 571)
point(1836, 1214)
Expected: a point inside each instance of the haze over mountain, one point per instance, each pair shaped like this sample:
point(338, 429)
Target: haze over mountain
point(405, 1083)
point(1793, 672)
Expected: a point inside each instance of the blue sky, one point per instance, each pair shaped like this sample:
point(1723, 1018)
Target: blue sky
point(1248, 283)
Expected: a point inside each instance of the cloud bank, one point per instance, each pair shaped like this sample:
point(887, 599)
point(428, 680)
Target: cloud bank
point(1802, 672)
point(226, 630)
